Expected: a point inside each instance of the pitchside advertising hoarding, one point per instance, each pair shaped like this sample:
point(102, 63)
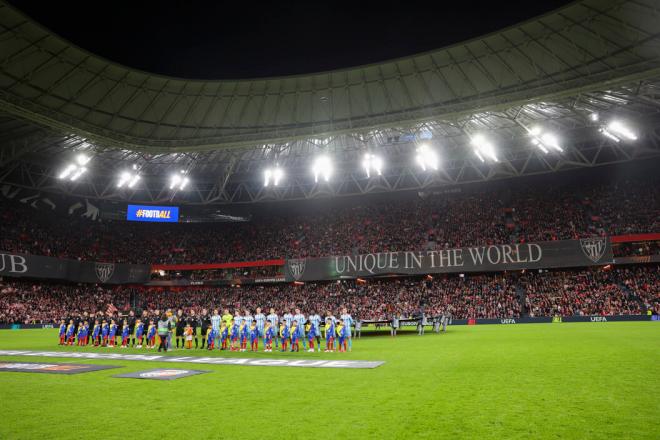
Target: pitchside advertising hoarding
point(489, 258)
point(145, 213)
point(34, 266)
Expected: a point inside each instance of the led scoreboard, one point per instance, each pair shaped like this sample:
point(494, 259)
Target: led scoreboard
point(145, 213)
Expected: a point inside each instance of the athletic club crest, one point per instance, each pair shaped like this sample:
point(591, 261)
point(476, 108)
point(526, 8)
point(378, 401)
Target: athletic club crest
point(297, 267)
point(593, 248)
point(104, 271)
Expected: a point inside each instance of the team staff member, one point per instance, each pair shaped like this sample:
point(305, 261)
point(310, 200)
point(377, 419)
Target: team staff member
point(164, 327)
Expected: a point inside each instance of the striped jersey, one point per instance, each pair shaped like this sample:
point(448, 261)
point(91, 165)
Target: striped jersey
point(316, 320)
point(261, 320)
point(248, 320)
point(288, 318)
point(348, 321)
point(215, 322)
point(273, 318)
point(301, 322)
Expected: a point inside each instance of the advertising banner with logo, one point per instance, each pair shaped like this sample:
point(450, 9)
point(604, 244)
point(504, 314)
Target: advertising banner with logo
point(541, 255)
point(145, 213)
point(34, 266)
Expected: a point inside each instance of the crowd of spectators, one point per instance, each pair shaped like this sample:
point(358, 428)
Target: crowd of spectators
point(625, 290)
point(440, 221)
point(622, 290)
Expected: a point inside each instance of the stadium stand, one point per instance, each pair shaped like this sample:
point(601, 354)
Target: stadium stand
point(503, 216)
point(622, 290)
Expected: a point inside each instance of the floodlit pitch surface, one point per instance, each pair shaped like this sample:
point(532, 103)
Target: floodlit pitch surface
point(579, 380)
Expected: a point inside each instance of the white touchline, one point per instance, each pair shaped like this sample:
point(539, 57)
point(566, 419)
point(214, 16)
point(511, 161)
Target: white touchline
point(200, 360)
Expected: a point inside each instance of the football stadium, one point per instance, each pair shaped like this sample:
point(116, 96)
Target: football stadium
point(461, 242)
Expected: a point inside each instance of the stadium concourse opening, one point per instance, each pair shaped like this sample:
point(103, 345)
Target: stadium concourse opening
point(473, 223)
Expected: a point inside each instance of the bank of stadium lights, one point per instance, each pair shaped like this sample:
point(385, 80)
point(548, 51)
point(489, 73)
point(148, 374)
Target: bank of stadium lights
point(128, 179)
point(618, 131)
point(273, 176)
point(322, 167)
point(179, 181)
point(426, 158)
point(483, 148)
point(374, 163)
point(75, 169)
point(544, 140)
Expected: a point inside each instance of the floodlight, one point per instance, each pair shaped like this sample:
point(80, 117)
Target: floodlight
point(322, 167)
point(426, 157)
point(179, 180)
point(75, 169)
point(544, 140)
point(273, 175)
point(483, 148)
point(372, 162)
point(620, 130)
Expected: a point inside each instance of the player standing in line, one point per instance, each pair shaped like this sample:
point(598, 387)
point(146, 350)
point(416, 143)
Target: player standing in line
point(62, 332)
point(105, 332)
point(295, 336)
point(284, 335)
point(70, 331)
point(139, 333)
point(341, 335)
point(226, 317)
point(96, 334)
point(234, 334)
point(260, 319)
point(248, 318)
point(210, 338)
point(193, 322)
point(254, 337)
point(125, 334)
point(329, 315)
point(348, 323)
point(329, 335)
point(80, 336)
point(315, 320)
point(215, 323)
point(274, 323)
point(151, 334)
point(112, 337)
point(224, 335)
point(288, 319)
point(244, 334)
point(301, 327)
point(310, 329)
point(204, 322)
point(268, 337)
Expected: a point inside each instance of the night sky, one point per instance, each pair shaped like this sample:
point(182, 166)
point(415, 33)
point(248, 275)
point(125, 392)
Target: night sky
point(243, 39)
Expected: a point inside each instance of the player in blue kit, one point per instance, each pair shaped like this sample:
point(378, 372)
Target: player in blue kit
point(284, 335)
point(311, 331)
point(295, 336)
point(139, 333)
point(80, 336)
point(348, 323)
point(151, 334)
point(260, 319)
point(315, 320)
point(70, 332)
point(329, 335)
point(234, 333)
point(244, 335)
point(96, 333)
point(268, 337)
point(254, 337)
point(62, 332)
point(210, 337)
point(301, 326)
point(112, 335)
point(224, 335)
point(105, 331)
point(125, 334)
point(275, 324)
point(341, 335)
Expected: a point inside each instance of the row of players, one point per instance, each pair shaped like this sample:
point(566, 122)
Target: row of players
point(230, 332)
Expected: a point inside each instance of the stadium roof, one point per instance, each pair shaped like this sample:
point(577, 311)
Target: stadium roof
point(592, 56)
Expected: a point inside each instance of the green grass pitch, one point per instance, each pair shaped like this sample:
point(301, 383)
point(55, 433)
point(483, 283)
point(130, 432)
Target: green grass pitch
point(580, 380)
